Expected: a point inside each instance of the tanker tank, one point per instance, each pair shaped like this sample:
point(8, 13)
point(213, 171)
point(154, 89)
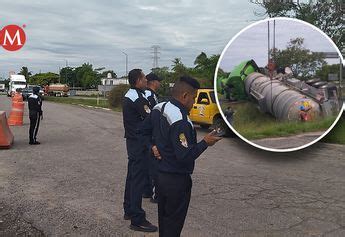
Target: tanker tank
point(290, 98)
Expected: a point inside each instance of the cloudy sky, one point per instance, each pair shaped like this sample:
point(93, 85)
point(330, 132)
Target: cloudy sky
point(98, 31)
point(252, 42)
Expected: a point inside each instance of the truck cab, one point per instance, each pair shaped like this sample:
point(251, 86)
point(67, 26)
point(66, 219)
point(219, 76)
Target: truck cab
point(16, 82)
point(205, 111)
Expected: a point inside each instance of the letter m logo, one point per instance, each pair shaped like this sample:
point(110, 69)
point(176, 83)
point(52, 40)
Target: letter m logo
point(12, 37)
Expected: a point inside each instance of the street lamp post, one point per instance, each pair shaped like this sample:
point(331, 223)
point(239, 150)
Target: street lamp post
point(126, 65)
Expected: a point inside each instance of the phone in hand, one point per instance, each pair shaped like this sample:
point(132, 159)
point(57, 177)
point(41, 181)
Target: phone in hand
point(218, 132)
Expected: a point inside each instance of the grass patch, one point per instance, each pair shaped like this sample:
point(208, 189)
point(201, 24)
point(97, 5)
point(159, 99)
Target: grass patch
point(337, 134)
point(251, 123)
point(103, 103)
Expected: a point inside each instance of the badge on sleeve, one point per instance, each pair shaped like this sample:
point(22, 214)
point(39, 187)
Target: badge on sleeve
point(183, 140)
point(147, 109)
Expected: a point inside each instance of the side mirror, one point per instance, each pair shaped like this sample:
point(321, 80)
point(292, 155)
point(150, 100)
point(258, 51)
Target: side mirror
point(204, 101)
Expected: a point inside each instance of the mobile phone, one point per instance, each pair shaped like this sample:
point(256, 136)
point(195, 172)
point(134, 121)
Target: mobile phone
point(218, 132)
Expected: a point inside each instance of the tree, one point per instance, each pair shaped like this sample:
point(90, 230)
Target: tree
point(201, 61)
point(44, 78)
point(25, 72)
point(302, 61)
point(86, 77)
point(67, 76)
point(167, 76)
point(178, 67)
point(326, 15)
point(327, 69)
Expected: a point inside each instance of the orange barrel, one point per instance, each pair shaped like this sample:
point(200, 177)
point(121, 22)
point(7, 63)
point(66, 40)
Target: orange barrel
point(17, 112)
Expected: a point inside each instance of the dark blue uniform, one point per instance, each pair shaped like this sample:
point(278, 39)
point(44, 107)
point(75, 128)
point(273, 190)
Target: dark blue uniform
point(175, 137)
point(151, 97)
point(35, 113)
point(150, 189)
point(135, 108)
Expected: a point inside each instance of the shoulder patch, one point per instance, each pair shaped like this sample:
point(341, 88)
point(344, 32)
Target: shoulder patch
point(172, 113)
point(183, 140)
point(159, 106)
point(148, 93)
point(33, 96)
point(132, 95)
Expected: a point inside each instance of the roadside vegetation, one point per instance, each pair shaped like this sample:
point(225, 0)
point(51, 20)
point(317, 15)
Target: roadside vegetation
point(264, 125)
point(91, 101)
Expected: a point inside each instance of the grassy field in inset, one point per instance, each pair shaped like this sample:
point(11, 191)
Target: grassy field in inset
point(251, 123)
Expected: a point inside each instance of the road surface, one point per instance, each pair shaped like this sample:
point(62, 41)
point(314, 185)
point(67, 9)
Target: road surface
point(73, 183)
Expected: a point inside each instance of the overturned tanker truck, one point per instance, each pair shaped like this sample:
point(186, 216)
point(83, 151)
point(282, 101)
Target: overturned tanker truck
point(288, 98)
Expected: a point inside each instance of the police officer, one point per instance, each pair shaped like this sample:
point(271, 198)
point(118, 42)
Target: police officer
point(153, 84)
point(176, 147)
point(35, 115)
point(135, 108)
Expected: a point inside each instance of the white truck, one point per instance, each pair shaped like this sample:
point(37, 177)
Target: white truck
point(16, 82)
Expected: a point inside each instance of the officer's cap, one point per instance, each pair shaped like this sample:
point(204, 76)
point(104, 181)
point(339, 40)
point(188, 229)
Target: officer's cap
point(153, 77)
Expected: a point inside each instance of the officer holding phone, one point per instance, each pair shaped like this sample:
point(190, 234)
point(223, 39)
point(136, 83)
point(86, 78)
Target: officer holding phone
point(176, 148)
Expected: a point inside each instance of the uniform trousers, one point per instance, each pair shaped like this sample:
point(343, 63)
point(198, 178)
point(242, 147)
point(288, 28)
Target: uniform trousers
point(34, 125)
point(174, 191)
point(135, 180)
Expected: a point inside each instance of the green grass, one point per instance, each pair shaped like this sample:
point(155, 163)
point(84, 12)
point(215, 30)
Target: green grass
point(337, 134)
point(103, 103)
point(253, 124)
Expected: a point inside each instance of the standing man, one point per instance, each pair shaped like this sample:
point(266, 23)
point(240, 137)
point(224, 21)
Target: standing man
point(35, 114)
point(135, 109)
point(153, 84)
point(177, 148)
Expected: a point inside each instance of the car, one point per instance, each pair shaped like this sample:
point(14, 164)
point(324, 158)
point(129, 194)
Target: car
point(27, 91)
point(206, 114)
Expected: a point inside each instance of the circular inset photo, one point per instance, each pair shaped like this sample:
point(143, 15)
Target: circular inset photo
point(278, 84)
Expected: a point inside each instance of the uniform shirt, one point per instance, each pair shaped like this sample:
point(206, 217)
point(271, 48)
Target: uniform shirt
point(175, 137)
point(135, 108)
point(151, 97)
point(35, 104)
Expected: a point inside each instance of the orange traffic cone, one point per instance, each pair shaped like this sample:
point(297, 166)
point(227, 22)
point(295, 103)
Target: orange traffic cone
point(6, 136)
point(17, 113)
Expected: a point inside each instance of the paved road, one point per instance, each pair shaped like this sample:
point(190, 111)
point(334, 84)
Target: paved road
point(289, 142)
point(72, 184)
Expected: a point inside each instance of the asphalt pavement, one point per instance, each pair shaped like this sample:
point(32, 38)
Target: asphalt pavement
point(73, 183)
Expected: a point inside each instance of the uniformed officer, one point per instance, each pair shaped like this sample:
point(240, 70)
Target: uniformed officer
point(35, 115)
point(153, 84)
point(135, 108)
point(175, 145)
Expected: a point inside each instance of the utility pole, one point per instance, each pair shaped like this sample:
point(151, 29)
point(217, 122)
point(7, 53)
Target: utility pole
point(66, 72)
point(156, 53)
point(126, 65)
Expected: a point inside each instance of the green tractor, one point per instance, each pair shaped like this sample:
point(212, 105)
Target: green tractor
point(233, 86)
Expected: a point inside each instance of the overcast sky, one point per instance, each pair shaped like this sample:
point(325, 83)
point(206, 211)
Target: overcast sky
point(252, 42)
point(97, 32)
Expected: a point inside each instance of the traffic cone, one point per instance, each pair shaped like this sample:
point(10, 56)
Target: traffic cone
point(6, 136)
point(17, 112)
